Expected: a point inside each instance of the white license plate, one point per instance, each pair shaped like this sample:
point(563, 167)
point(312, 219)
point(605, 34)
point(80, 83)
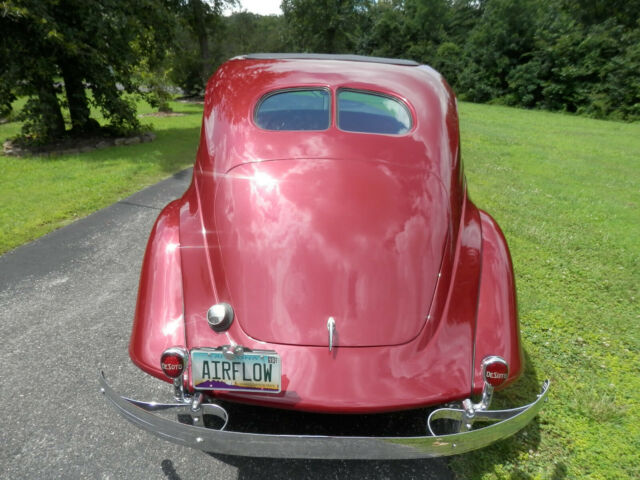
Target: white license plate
point(256, 371)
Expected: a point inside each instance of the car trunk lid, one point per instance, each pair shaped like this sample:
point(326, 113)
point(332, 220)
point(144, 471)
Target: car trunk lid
point(303, 241)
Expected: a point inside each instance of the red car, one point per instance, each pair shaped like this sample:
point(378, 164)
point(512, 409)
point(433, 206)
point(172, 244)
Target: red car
point(327, 258)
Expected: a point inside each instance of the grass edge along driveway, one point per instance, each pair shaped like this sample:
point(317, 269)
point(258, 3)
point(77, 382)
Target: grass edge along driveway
point(42, 193)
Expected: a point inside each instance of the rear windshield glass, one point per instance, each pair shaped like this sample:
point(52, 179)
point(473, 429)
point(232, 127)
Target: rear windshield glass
point(370, 112)
point(295, 110)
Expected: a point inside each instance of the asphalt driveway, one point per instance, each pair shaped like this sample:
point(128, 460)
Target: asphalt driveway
point(66, 303)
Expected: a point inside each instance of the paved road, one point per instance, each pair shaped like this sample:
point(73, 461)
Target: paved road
point(66, 302)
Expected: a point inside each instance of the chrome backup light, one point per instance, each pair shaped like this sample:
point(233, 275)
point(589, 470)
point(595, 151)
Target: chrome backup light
point(220, 316)
point(173, 362)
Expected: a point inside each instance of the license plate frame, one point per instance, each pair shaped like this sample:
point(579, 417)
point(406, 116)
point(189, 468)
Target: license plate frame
point(255, 371)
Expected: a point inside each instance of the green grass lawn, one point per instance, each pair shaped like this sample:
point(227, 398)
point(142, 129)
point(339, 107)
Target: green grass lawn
point(566, 191)
point(40, 194)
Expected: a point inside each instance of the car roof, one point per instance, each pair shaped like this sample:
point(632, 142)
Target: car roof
point(327, 56)
point(237, 87)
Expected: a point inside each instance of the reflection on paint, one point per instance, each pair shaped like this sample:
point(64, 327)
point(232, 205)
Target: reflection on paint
point(172, 326)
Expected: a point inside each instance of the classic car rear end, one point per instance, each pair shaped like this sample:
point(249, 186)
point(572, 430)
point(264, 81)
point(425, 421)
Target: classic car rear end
point(326, 258)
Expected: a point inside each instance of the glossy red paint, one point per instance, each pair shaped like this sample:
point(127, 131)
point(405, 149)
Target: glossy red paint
point(159, 322)
point(305, 240)
point(497, 329)
point(293, 227)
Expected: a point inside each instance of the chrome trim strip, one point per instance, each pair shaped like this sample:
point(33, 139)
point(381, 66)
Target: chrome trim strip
point(320, 447)
point(331, 326)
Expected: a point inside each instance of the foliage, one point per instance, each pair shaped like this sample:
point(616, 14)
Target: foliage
point(578, 56)
point(575, 55)
point(497, 44)
point(7, 97)
point(253, 33)
point(325, 26)
point(196, 51)
point(186, 62)
point(68, 56)
point(387, 34)
point(55, 47)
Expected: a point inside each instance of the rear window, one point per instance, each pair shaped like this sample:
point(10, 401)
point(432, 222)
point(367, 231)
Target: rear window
point(300, 109)
point(369, 112)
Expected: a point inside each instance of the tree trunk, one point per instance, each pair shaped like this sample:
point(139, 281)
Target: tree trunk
point(50, 109)
point(77, 98)
point(199, 13)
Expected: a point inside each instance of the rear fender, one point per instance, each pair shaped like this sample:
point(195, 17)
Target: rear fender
point(497, 330)
point(159, 321)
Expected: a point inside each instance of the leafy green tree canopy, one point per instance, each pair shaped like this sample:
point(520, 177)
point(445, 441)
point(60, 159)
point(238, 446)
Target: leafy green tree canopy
point(75, 46)
point(325, 26)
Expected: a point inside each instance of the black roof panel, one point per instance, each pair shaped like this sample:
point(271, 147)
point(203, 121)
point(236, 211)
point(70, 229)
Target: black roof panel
point(326, 56)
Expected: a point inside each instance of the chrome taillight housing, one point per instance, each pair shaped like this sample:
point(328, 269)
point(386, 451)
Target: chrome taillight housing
point(495, 370)
point(173, 362)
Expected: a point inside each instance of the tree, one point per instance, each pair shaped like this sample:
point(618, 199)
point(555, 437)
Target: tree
point(502, 39)
point(579, 56)
point(50, 46)
point(585, 60)
point(426, 27)
point(197, 48)
point(28, 68)
point(325, 26)
point(594, 12)
point(387, 35)
point(253, 33)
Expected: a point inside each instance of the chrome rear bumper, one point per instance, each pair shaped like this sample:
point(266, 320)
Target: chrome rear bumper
point(225, 442)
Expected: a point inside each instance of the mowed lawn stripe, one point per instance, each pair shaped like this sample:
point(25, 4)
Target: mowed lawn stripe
point(41, 193)
point(566, 191)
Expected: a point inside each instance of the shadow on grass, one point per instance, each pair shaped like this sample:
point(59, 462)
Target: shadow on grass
point(508, 452)
point(146, 116)
point(188, 111)
point(172, 150)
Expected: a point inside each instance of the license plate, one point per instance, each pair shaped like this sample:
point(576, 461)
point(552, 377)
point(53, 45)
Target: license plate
point(256, 371)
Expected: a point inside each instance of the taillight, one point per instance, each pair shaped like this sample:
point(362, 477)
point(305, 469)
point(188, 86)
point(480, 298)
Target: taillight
point(173, 362)
point(495, 370)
